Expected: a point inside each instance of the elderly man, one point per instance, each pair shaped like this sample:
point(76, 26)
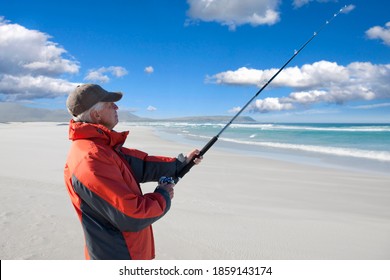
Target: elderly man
point(103, 179)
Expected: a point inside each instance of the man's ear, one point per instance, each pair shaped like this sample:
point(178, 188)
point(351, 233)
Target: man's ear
point(95, 116)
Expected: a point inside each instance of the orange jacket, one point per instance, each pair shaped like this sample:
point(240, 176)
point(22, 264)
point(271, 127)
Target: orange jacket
point(103, 179)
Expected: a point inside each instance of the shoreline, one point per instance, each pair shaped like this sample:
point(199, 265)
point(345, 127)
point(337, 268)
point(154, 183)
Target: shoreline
point(232, 206)
point(347, 163)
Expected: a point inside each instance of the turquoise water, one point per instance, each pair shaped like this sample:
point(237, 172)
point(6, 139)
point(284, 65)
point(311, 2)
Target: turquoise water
point(368, 143)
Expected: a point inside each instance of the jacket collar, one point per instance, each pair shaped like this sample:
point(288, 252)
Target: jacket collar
point(96, 133)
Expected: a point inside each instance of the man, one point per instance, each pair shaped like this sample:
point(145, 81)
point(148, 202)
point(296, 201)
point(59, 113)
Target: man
point(103, 179)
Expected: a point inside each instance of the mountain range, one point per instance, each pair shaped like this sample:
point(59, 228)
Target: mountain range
point(12, 112)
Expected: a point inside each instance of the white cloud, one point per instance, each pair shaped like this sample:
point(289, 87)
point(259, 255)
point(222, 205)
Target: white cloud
point(31, 64)
point(149, 69)
point(101, 74)
point(320, 82)
point(309, 75)
point(117, 71)
point(372, 106)
point(378, 32)
point(300, 3)
point(151, 109)
point(235, 110)
point(270, 104)
point(348, 9)
point(29, 87)
point(234, 13)
point(241, 76)
point(96, 76)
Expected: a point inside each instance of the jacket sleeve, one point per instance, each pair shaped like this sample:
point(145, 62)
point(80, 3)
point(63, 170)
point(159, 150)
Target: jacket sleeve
point(99, 183)
point(148, 168)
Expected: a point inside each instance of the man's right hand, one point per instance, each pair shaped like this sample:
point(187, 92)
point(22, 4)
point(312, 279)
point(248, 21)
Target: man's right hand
point(167, 184)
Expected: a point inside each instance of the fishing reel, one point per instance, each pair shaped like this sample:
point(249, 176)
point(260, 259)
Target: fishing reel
point(166, 181)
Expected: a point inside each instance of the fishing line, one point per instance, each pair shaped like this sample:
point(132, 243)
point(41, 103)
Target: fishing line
point(212, 141)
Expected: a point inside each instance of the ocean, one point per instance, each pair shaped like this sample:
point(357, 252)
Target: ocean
point(362, 146)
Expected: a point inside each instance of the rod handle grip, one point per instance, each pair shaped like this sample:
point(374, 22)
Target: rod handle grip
point(189, 165)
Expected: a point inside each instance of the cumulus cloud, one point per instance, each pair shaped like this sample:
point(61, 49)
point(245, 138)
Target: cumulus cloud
point(381, 33)
point(271, 104)
point(309, 75)
point(101, 74)
point(320, 82)
point(233, 13)
point(149, 69)
point(31, 64)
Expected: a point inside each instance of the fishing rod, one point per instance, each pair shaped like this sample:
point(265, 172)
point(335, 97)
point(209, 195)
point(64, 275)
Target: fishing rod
point(213, 140)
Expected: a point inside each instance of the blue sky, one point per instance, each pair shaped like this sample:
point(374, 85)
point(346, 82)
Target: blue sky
point(202, 57)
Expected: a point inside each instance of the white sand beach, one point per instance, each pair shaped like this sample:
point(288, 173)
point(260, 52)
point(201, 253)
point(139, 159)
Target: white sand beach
point(232, 206)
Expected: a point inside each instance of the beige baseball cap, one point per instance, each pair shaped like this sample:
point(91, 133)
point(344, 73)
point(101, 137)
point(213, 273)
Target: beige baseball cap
point(87, 95)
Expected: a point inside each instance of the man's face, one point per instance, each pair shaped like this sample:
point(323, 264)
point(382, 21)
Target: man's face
point(108, 115)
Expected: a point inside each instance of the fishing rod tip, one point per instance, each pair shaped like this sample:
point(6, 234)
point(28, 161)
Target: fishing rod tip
point(345, 6)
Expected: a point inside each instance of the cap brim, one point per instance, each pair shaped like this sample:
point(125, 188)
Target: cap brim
point(112, 97)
